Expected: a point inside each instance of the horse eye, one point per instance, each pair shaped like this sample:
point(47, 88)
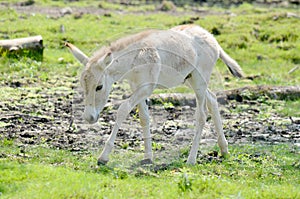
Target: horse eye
point(99, 87)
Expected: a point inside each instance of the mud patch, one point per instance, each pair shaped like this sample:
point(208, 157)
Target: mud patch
point(53, 118)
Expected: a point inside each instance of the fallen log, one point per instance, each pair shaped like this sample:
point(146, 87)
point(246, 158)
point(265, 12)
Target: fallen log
point(31, 47)
point(240, 94)
point(255, 92)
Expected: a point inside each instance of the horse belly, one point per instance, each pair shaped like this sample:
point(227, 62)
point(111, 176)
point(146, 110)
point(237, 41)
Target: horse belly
point(169, 77)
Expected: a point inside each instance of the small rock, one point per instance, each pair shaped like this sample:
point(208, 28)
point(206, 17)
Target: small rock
point(78, 15)
point(167, 6)
point(290, 15)
point(107, 15)
point(2, 155)
point(208, 142)
point(66, 11)
point(61, 60)
point(259, 57)
point(295, 120)
point(297, 144)
point(232, 14)
point(62, 29)
point(27, 3)
point(182, 135)
point(222, 100)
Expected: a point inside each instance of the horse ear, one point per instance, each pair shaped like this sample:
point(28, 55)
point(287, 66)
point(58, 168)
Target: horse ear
point(78, 54)
point(108, 58)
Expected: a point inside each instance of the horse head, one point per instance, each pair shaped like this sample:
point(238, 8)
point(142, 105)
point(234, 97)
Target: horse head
point(94, 81)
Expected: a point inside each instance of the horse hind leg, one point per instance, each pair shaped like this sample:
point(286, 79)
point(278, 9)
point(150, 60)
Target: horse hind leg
point(199, 86)
point(200, 121)
point(212, 105)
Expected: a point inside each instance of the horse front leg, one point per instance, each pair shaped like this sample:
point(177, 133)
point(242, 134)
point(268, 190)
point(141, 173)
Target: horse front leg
point(122, 113)
point(145, 123)
point(138, 96)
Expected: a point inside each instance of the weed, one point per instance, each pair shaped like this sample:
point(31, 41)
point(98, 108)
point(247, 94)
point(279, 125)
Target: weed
point(156, 146)
point(185, 183)
point(3, 124)
point(120, 174)
point(125, 145)
point(168, 105)
point(7, 142)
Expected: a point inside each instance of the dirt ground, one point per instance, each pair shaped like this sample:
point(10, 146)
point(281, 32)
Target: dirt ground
point(55, 120)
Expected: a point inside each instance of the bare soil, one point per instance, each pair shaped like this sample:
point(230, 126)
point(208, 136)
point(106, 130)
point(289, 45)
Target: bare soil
point(54, 119)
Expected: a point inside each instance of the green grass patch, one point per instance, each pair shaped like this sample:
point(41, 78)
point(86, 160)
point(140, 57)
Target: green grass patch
point(290, 108)
point(250, 172)
point(265, 42)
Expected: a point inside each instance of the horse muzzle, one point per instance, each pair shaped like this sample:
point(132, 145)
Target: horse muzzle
point(90, 115)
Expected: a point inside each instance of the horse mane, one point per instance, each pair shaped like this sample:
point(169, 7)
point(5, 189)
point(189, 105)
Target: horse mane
point(120, 44)
point(123, 42)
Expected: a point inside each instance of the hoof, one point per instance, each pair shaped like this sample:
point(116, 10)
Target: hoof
point(191, 162)
point(225, 155)
point(191, 159)
point(102, 162)
point(146, 161)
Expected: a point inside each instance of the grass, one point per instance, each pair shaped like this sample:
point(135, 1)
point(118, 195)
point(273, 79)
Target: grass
point(250, 172)
point(264, 41)
point(290, 108)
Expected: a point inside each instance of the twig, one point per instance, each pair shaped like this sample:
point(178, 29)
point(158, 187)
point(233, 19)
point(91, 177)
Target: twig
point(293, 69)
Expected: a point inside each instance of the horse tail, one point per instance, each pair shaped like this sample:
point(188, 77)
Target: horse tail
point(232, 65)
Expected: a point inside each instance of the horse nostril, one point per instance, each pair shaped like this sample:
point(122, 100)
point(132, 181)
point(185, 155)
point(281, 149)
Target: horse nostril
point(90, 115)
point(91, 118)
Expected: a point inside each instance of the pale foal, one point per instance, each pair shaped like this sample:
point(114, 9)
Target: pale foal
point(148, 60)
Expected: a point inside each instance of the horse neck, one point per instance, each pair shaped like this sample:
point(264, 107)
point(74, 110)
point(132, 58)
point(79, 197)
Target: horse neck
point(119, 67)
